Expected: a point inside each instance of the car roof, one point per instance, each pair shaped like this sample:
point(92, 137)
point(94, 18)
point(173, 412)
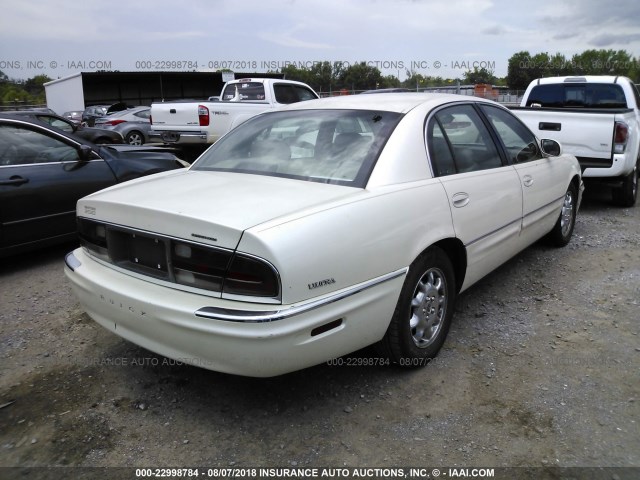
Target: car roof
point(393, 102)
point(27, 119)
point(579, 79)
point(121, 113)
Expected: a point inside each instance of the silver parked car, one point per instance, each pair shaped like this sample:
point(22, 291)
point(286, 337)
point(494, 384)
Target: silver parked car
point(133, 124)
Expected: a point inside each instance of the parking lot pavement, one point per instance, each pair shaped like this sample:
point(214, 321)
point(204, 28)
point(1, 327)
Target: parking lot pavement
point(540, 369)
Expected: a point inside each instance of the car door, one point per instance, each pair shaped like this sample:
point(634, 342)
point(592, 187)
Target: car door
point(41, 178)
point(484, 193)
point(542, 178)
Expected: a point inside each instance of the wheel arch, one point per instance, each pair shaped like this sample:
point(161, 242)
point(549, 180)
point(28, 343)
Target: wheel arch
point(457, 254)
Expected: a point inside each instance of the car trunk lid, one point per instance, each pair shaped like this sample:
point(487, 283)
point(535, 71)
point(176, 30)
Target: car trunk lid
point(208, 207)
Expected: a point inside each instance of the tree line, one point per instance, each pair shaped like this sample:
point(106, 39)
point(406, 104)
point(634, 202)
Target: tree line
point(325, 77)
point(22, 92)
point(523, 67)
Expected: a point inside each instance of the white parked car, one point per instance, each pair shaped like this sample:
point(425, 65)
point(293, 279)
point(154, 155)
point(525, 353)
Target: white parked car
point(309, 233)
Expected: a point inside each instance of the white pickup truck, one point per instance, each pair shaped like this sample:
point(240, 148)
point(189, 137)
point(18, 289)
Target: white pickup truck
point(595, 118)
point(204, 122)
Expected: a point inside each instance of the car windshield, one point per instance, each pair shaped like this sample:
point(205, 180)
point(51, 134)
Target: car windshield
point(328, 146)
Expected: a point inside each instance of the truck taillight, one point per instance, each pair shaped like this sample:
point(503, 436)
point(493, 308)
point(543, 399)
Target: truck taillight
point(620, 137)
point(203, 116)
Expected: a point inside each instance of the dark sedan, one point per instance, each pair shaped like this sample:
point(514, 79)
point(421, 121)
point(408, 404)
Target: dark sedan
point(43, 172)
point(94, 135)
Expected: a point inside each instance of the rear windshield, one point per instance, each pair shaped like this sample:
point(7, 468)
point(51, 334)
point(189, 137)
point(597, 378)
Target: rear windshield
point(578, 95)
point(243, 91)
point(328, 146)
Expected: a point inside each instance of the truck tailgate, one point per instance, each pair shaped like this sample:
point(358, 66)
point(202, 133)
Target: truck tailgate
point(174, 114)
point(583, 134)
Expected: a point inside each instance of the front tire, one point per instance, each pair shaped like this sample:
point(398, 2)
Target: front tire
point(626, 195)
point(563, 229)
point(423, 314)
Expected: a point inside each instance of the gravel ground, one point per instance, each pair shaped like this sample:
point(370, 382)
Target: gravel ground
point(540, 369)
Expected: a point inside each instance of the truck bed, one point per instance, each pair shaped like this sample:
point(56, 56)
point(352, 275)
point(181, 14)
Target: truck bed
point(585, 133)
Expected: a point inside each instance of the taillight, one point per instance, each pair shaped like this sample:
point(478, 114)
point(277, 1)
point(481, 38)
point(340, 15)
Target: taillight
point(113, 123)
point(191, 264)
point(150, 120)
point(620, 137)
point(198, 266)
point(203, 116)
point(251, 276)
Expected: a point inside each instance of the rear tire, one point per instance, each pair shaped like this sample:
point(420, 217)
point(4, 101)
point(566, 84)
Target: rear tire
point(135, 138)
point(563, 229)
point(423, 314)
point(626, 195)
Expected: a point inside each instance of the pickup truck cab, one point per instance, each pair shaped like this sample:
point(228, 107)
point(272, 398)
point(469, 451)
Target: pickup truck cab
point(595, 118)
point(204, 122)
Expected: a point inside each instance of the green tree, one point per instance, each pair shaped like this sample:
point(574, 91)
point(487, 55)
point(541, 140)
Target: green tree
point(15, 94)
point(291, 72)
point(602, 62)
point(523, 68)
point(35, 88)
point(558, 66)
point(323, 76)
point(360, 76)
point(519, 70)
point(479, 75)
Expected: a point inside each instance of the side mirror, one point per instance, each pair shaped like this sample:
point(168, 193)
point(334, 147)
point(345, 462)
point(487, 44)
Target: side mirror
point(85, 153)
point(551, 148)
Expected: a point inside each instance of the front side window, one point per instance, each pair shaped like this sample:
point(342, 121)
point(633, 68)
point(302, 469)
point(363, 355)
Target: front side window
point(21, 146)
point(459, 142)
point(519, 142)
point(328, 146)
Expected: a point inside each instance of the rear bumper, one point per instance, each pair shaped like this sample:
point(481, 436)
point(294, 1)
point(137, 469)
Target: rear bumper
point(230, 336)
point(618, 166)
point(179, 138)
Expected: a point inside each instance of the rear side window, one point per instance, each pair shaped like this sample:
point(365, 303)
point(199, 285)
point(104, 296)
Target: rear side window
point(577, 95)
point(286, 93)
point(459, 142)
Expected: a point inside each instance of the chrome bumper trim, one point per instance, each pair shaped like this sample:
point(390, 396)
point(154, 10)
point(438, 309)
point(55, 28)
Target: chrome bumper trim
point(262, 316)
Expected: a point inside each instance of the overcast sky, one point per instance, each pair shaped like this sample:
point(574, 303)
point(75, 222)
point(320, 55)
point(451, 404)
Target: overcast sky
point(433, 37)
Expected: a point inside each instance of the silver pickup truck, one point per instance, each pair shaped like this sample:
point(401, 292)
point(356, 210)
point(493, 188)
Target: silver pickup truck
point(595, 118)
point(204, 122)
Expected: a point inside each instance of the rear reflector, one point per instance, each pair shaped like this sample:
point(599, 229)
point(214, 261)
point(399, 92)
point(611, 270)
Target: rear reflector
point(326, 327)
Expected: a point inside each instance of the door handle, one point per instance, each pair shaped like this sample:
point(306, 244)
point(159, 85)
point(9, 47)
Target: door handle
point(527, 180)
point(14, 180)
point(554, 127)
point(460, 200)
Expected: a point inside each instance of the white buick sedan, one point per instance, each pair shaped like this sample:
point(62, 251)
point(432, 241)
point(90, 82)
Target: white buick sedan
point(311, 232)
